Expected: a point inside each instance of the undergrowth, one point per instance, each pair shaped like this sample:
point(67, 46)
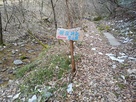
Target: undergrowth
point(39, 73)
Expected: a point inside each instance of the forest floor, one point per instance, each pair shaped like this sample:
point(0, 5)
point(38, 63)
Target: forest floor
point(99, 78)
point(104, 73)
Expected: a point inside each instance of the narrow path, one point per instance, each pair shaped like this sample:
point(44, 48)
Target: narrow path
point(94, 81)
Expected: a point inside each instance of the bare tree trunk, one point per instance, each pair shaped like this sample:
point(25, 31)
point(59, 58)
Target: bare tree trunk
point(54, 14)
point(5, 9)
point(1, 35)
point(96, 9)
point(22, 9)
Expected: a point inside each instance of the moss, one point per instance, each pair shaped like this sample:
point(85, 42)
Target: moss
point(20, 72)
point(23, 57)
point(121, 86)
point(124, 65)
point(102, 27)
point(116, 94)
point(2, 44)
point(98, 18)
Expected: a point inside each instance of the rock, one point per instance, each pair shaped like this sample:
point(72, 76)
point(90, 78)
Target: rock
point(112, 40)
point(4, 46)
point(3, 69)
point(119, 59)
point(10, 96)
point(93, 49)
point(10, 81)
point(15, 44)
point(6, 79)
point(13, 51)
point(17, 62)
point(20, 54)
point(30, 51)
point(16, 96)
point(16, 50)
point(10, 71)
point(87, 35)
point(130, 71)
point(114, 66)
point(22, 45)
point(33, 99)
point(111, 97)
point(0, 62)
point(4, 59)
point(132, 58)
point(100, 53)
point(69, 89)
point(19, 43)
point(1, 81)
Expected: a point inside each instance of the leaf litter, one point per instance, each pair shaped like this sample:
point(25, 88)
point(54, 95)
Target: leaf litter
point(95, 79)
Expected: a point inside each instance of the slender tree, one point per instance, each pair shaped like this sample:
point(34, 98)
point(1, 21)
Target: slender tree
point(1, 35)
point(54, 14)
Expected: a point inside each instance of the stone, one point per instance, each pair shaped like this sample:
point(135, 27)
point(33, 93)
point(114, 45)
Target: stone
point(6, 79)
point(3, 69)
point(16, 50)
point(114, 66)
point(10, 71)
point(4, 59)
point(93, 49)
point(112, 40)
point(13, 51)
point(4, 46)
point(130, 71)
point(16, 96)
point(17, 62)
point(15, 44)
point(30, 51)
point(33, 99)
point(111, 97)
point(22, 45)
point(1, 81)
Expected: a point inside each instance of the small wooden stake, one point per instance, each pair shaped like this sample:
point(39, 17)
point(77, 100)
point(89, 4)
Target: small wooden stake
point(71, 42)
point(72, 56)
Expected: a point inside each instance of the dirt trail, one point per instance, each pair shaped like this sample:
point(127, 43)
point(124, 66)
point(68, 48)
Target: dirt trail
point(94, 81)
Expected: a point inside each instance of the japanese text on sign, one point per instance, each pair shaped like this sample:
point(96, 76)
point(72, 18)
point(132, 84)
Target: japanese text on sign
point(68, 34)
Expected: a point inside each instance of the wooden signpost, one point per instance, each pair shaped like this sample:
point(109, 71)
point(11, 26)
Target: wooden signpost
point(70, 34)
point(71, 41)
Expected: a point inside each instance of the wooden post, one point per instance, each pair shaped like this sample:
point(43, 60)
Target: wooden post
point(71, 42)
point(1, 35)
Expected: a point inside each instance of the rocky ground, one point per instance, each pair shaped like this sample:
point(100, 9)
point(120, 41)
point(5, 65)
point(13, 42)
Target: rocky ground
point(16, 55)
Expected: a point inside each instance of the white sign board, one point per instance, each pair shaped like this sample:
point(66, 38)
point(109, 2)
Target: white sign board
point(68, 34)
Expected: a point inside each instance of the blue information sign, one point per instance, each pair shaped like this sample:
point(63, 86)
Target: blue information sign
point(68, 34)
